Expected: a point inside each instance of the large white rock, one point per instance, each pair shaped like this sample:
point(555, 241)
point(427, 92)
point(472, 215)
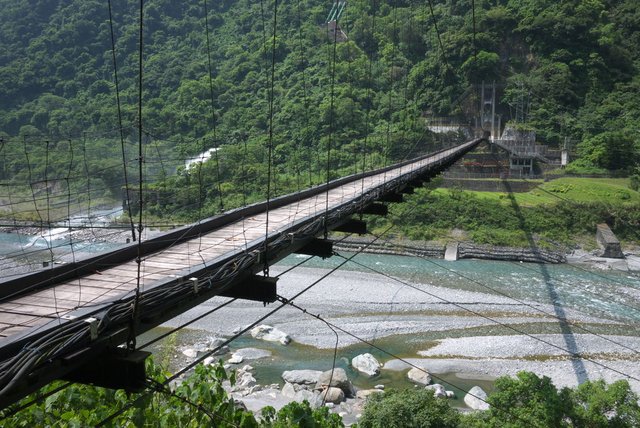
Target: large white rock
point(419, 375)
point(235, 359)
point(212, 344)
point(302, 377)
point(217, 343)
point(476, 399)
point(312, 397)
point(288, 390)
point(338, 380)
point(438, 390)
point(251, 353)
point(243, 381)
point(366, 363)
point(270, 334)
point(332, 395)
point(190, 352)
point(365, 393)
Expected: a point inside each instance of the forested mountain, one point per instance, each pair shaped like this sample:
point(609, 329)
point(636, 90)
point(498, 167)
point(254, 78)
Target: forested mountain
point(566, 68)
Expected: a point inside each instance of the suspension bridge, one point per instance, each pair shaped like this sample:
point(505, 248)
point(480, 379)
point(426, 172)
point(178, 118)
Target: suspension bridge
point(67, 321)
point(79, 321)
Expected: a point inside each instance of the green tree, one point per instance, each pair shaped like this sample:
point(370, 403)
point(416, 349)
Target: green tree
point(612, 150)
point(598, 405)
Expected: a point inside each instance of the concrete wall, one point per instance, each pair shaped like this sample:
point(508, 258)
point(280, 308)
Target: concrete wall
point(608, 242)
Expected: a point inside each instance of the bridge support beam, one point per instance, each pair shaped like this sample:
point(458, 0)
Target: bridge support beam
point(116, 368)
point(317, 247)
point(392, 197)
point(408, 190)
point(376, 209)
point(353, 226)
point(258, 288)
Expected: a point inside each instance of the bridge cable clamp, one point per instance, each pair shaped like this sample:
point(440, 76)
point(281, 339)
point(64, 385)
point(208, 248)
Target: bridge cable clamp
point(93, 327)
point(196, 284)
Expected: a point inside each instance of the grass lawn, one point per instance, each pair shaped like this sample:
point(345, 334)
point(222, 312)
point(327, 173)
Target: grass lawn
point(614, 191)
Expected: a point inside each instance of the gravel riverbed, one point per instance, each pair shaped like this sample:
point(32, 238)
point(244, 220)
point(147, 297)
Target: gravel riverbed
point(474, 334)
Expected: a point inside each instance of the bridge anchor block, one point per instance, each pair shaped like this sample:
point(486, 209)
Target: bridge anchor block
point(258, 288)
point(116, 368)
point(392, 197)
point(376, 209)
point(317, 247)
point(353, 226)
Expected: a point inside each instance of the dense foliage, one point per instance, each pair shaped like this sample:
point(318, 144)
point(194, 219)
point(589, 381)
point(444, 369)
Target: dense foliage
point(526, 400)
point(198, 400)
point(567, 68)
point(408, 408)
point(529, 400)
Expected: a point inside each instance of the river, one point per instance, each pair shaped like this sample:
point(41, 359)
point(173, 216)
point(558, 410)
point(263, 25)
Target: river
point(464, 297)
point(63, 242)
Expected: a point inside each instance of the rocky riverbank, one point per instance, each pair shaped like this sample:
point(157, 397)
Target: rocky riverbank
point(466, 250)
point(470, 250)
point(332, 388)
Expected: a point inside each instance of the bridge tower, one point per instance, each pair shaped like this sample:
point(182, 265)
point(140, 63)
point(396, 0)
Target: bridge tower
point(333, 29)
point(488, 109)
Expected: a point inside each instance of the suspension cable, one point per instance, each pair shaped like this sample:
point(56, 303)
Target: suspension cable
point(331, 126)
point(213, 110)
point(131, 341)
point(124, 158)
point(270, 141)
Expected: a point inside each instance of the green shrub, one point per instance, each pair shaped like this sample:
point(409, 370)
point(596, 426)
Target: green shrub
point(584, 167)
point(634, 182)
point(300, 415)
point(408, 409)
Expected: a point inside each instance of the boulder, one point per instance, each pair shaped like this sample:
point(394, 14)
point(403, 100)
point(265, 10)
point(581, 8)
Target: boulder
point(438, 390)
point(235, 359)
point(270, 334)
point(312, 397)
point(302, 377)
point(476, 399)
point(244, 380)
point(332, 395)
point(450, 394)
point(217, 343)
point(190, 352)
point(206, 347)
point(338, 380)
point(381, 386)
point(288, 390)
point(419, 375)
point(251, 353)
point(364, 393)
point(366, 363)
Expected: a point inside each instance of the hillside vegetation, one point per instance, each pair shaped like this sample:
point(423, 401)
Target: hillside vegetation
point(566, 68)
